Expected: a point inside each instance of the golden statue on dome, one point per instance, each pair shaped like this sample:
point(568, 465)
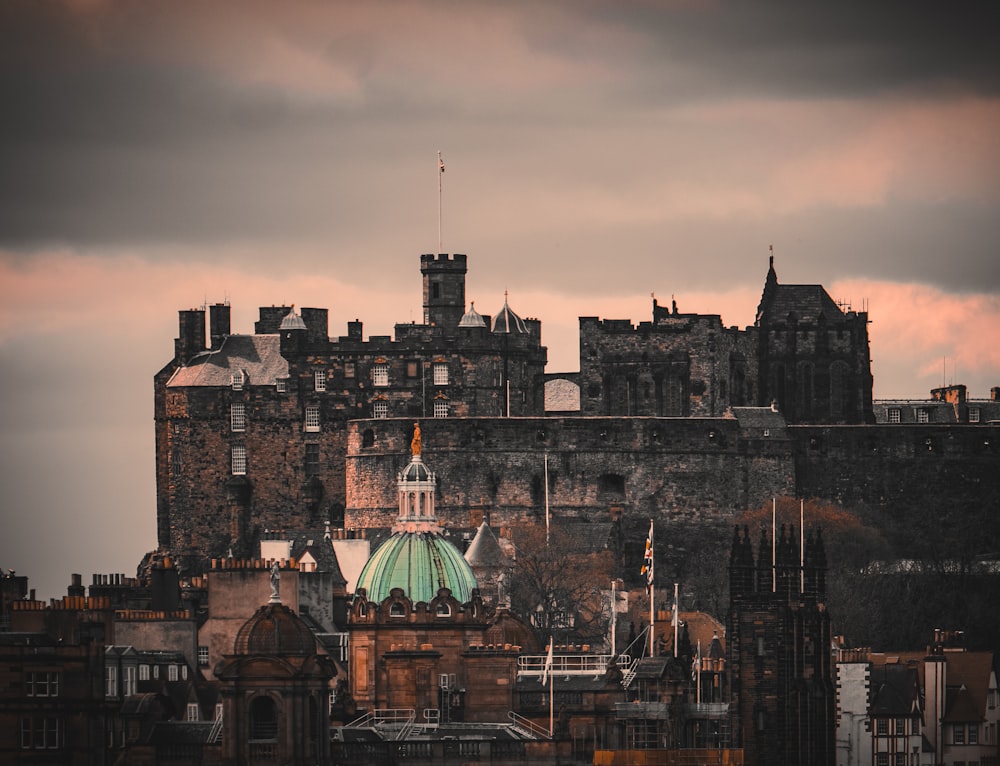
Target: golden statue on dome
point(415, 443)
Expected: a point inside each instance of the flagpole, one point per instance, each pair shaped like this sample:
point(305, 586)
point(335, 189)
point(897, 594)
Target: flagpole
point(440, 174)
point(676, 618)
point(546, 499)
point(774, 564)
point(699, 671)
point(552, 687)
point(614, 616)
point(652, 594)
point(802, 546)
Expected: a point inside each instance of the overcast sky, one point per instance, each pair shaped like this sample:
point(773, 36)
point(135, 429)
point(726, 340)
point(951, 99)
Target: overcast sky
point(157, 155)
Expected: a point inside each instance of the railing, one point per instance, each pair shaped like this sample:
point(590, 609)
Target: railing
point(529, 728)
point(568, 664)
point(629, 667)
point(215, 735)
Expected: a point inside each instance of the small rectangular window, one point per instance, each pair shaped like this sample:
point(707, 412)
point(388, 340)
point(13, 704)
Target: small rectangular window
point(110, 681)
point(237, 380)
point(894, 415)
point(882, 727)
point(380, 375)
point(193, 713)
point(923, 416)
point(973, 734)
point(312, 417)
point(348, 369)
point(958, 734)
point(130, 687)
point(238, 417)
point(319, 380)
point(281, 385)
point(203, 656)
point(144, 672)
point(311, 467)
point(440, 409)
point(973, 414)
point(440, 374)
point(900, 726)
point(239, 460)
point(171, 672)
point(380, 408)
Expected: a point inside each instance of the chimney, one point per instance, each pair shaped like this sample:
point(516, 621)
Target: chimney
point(191, 335)
point(218, 320)
point(354, 333)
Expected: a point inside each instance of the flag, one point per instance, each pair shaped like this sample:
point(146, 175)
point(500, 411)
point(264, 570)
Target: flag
point(547, 668)
point(440, 163)
point(647, 559)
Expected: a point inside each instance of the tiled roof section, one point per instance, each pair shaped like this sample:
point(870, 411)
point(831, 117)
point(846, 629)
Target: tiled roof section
point(960, 707)
point(806, 302)
point(257, 356)
point(756, 418)
point(894, 690)
point(971, 670)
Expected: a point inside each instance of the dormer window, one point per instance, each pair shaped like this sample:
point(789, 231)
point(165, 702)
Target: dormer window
point(397, 610)
point(441, 408)
point(973, 414)
point(380, 409)
point(319, 380)
point(443, 609)
point(238, 380)
point(380, 374)
point(281, 385)
point(923, 415)
point(895, 416)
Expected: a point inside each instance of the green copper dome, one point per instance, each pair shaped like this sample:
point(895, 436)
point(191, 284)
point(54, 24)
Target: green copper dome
point(420, 563)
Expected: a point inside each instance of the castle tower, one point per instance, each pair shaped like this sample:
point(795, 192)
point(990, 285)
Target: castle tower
point(778, 639)
point(444, 288)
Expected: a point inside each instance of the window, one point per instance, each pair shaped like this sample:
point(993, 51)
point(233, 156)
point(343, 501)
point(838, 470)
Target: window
point(380, 374)
point(239, 460)
point(380, 408)
point(444, 609)
point(238, 416)
point(129, 681)
point(193, 714)
point(311, 467)
point(894, 415)
point(348, 369)
point(40, 733)
point(203, 656)
point(900, 726)
point(281, 385)
point(110, 681)
point(237, 380)
point(958, 734)
point(923, 416)
point(973, 734)
point(440, 374)
point(144, 672)
point(171, 672)
point(441, 408)
point(397, 610)
point(899, 759)
point(991, 698)
point(881, 759)
point(312, 417)
point(156, 671)
point(42, 684)
point(263, 719)
point(973, 414)
point(319, 380)
point(882, 727)
point(413, 369)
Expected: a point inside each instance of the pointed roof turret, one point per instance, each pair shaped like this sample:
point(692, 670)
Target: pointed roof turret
point(507, 322)
point(292, 321)
point(472, 318)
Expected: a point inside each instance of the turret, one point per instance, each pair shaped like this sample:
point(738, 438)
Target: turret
point(444, 288)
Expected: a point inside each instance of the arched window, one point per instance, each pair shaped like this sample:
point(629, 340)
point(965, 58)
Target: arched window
point(263, 719)
point(397, 610)
point(443, 609)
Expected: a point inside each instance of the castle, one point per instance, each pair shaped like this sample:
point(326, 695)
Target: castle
point(288, 428)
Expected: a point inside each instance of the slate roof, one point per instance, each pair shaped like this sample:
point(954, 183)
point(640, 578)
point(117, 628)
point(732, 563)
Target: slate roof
point(485, 550)
point(507, 321)
point(895, 691)
point(758, 418)
point(807, 302)
point(258, 356)
point(319, 547)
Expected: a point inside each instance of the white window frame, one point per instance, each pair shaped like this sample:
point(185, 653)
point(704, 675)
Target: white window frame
point(111, 681)
point(380, 409)
point(172, 672)
point(42, 683)
point(923, 416)
point(974, 414)
point(312, 418)
point(129, 681)
point(193, 712)
point(319, 380)
point(281, 385)
point(440, 373)
point(237, 417)
point(440, 408)
point(238, 380)
point(895, 415)
point(380, 374)
point(144, 672)
point(238, 460)
point(203, 656)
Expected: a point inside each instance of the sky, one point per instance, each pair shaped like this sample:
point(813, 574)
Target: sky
point(158, 155)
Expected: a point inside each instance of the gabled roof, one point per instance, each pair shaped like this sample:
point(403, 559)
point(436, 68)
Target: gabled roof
point(257, 356)
point(895, 691)
point(960, 707)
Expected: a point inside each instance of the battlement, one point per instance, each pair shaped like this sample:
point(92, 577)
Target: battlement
point(444, 261)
